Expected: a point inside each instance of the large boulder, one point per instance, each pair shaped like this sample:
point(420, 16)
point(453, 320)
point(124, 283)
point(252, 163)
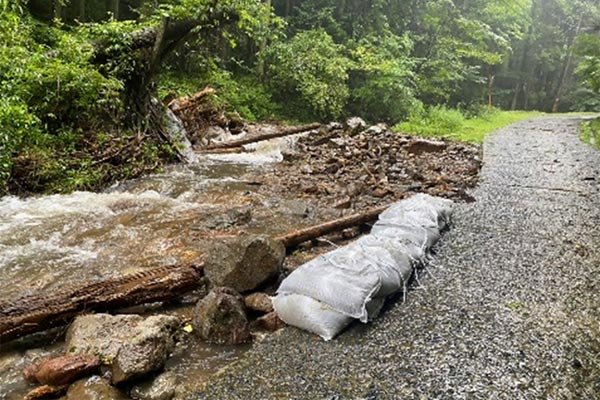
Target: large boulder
point(244, 264)
point(161, 388)
point(94, 388)
point(220, 317)
point(133, 346)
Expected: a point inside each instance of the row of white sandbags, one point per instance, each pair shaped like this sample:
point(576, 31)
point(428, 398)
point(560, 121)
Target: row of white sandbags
point(324, 295)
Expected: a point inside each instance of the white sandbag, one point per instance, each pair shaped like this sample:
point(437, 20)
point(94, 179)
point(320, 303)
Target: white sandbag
point(402, 256)
point(342, 279)
point(310, 315)
point(417, 209)
point(325, 294)
point(418, 236)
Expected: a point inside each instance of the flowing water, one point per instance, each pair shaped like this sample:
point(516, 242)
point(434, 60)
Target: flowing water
point(53, 241)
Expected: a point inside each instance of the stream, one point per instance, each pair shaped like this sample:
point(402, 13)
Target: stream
point(49, 242)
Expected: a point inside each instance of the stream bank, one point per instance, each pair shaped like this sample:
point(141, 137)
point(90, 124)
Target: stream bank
point(175, 218)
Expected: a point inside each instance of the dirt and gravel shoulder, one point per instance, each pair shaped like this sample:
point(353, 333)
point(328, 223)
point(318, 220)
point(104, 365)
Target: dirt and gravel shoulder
point(508, 308)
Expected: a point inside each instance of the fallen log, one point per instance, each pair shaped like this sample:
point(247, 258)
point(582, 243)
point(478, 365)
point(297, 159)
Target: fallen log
point(232, 150)
point(36, 313)
point(297, 237)
point(259, 138)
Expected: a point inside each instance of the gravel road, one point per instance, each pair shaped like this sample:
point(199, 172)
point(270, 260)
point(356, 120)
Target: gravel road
point(509, 308)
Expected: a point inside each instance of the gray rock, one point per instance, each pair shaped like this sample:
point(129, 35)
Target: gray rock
point(377, 129)
point(101, 334)
point(94, 388)
point(145, 354)
point(161, 388)
point(132, 345)
point(220, 317)
point(244, 264)
point(355, 125)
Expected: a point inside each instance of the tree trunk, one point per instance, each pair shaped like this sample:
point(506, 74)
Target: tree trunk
point(36, 313)
point(253, 139)
point(491, 79)
point(263, 45)
point(295, 238)
point(565, 74)
point(58, 10)
point(81, 10)
point(115, 8)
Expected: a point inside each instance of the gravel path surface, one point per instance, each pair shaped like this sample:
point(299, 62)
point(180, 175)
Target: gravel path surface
point(509, 310)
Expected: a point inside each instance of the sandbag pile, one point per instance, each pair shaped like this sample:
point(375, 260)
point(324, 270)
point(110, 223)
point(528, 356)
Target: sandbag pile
point(324, 295)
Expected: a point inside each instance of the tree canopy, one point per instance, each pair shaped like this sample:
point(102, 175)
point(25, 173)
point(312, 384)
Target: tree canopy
point(81, 79)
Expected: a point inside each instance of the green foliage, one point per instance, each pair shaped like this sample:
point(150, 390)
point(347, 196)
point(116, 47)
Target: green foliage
point(588, 47)
point(443, 122)
point(16, 123)
point(312, 67)
point(382, 77)
point(590, 132)
point(433, 121)
point(243, 94)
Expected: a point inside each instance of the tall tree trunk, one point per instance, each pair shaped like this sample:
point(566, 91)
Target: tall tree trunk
point(115, 7)
point(263, 44)
point(491, 79)
point(58, 10)
point(81, 10)
point(515, 99)
point(567, 68)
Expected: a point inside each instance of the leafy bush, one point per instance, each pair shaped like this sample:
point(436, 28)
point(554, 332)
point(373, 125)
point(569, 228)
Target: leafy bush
point(244, 94)
point(382, 78)
point(16, 122)
point(312, 69)
point(433, 121)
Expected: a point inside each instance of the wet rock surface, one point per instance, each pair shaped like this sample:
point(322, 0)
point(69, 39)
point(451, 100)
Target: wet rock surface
point(94, 388)
point(244, 264)
point(260, 302)
point(269, 322)
point(220, 317)
point(161, 388)
point(508, 311)
point(132, 345)
point(61, 370)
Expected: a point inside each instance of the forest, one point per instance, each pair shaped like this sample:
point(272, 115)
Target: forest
point(83, 83)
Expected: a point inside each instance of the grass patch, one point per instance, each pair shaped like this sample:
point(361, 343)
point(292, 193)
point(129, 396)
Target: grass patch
point(590, 132)
point(453, 124)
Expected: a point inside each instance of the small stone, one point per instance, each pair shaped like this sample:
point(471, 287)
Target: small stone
point(260, 302)
point(344, 203)
point(220, 317)
point(45, 392)
point(380, 192)
point(420, 146)
point(355, 125)
point(62, 370)
point(270, 322)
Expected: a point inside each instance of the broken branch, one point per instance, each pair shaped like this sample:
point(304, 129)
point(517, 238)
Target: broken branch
point(266, 136)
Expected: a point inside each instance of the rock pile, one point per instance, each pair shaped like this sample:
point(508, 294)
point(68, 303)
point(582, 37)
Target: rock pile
point(358, 167)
